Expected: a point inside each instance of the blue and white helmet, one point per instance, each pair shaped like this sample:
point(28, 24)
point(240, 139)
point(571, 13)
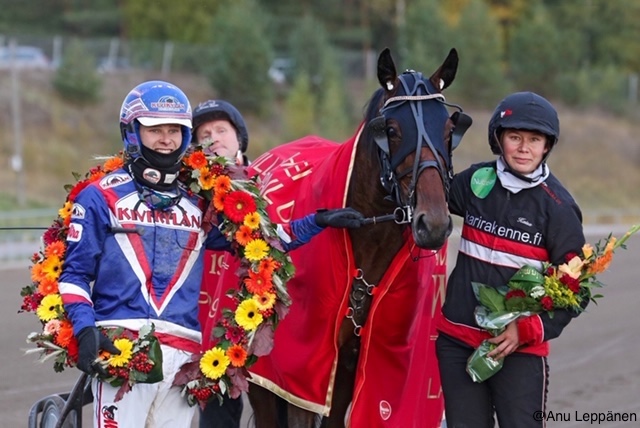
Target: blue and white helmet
point(153, 103)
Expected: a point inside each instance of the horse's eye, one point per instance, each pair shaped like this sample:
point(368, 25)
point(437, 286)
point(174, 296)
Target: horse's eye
point(391, 132)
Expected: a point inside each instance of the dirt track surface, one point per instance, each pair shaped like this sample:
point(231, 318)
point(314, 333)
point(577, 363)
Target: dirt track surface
point(594, 363)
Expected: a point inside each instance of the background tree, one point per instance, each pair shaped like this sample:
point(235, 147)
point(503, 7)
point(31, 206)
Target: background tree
point(240, 56)
point(76, 79)
point(178, 21)
point(298, 112)
point(480, 78)
point(533, 57)
point(425, 38)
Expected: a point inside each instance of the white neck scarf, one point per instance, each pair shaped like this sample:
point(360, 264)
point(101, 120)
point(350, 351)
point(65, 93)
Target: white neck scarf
point(515, 184)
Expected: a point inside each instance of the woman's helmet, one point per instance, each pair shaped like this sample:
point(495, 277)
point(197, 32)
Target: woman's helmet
point(221, 110)
point(153, 103)
point(524, 110)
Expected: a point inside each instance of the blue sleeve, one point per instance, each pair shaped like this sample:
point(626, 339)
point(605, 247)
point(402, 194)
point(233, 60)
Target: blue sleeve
point(217, 241)
point(303, 230)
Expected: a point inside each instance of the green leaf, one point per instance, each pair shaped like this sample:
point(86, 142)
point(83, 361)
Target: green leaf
point(491, 298)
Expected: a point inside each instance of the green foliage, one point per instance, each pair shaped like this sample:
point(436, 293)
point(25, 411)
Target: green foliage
point(603, 87)
point(240, 57)
point(480, 78)
point(76, 79)
point(533, 55)
point(309, 47)
point(180, 21)
point(298, 111)
point(420, 49)
point(334, 120)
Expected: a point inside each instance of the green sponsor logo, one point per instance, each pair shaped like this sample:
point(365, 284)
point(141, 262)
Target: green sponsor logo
point(482, 181)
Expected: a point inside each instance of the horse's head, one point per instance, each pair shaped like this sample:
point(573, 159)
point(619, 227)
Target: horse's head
point(415, 136)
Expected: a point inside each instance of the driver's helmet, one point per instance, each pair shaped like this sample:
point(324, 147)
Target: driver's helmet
point(153, 103)
point(524, 110)
point(221, 110)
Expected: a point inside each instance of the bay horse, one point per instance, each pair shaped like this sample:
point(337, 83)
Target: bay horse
point(398, 177)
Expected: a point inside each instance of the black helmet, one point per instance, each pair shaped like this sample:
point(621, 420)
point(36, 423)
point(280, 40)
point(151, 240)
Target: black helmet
point(219, 109)
point(524, 110)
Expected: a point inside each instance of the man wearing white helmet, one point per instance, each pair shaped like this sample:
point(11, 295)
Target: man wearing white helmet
point(515, 212)
point(152, 273)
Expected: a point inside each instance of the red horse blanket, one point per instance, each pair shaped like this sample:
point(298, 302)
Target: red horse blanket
point(397, 384)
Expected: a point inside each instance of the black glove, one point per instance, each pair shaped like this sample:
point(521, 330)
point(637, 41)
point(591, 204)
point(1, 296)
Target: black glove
point(90, 342)
point(341, 217)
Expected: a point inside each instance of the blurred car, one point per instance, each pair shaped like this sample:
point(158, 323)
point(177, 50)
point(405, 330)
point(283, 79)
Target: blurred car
point(24, 58)
point(280, 70)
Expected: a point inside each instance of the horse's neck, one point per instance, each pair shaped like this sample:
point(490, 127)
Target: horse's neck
point(375, 245)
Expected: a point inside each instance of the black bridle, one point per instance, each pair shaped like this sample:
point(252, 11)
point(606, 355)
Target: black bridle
point(415, 99)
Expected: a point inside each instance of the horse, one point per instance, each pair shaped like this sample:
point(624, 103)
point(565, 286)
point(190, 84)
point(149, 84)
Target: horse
point(401, 167)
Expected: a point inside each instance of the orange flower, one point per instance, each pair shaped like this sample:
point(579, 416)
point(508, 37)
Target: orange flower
point(258, 283)
point(96, 175)
point(268, 265)
point(113, 164)
point(196, 160)
point(37, 274)
point(601, 264)
point(237, 355)
point(243, 235)
point(218, 201)
point(223, 184)
point(52, 266)
point(56, 248)
point(48, 286)
point(206, 179)
point(65, 334)
point(265, 301)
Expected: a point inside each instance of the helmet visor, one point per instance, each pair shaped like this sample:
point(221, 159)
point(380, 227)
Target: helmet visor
point(154, 121)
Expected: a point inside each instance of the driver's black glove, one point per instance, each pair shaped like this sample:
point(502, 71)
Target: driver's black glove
point(90, 342)
point(340, 218)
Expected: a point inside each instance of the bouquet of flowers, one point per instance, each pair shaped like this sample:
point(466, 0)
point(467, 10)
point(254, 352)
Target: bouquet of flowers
point(529, 292)
point(243, 334)
point(140, 359)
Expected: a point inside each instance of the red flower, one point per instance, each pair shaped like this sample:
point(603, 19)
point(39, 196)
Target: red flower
point(238, 204)
point(77, 189)
point(547, 303)
point(572, 284)
point(515, 294)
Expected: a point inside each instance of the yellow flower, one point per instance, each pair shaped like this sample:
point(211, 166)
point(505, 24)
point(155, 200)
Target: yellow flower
point(248, 315)
point(587, 250)
point(50, 307)
point(252, 220)
point(573, 268)
point(256, 250)
point(65, 211)
point(126, 352)
point(214, 363)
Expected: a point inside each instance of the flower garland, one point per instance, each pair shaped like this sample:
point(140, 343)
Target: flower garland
point(139, 359)
point(243, 334)
point(567, 286)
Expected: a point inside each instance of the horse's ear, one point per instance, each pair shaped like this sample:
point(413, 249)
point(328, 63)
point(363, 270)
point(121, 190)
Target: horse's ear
point(444, 75)
point(387, 74)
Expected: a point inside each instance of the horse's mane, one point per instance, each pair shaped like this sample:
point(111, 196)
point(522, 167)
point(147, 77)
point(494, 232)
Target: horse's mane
point(371, 111)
